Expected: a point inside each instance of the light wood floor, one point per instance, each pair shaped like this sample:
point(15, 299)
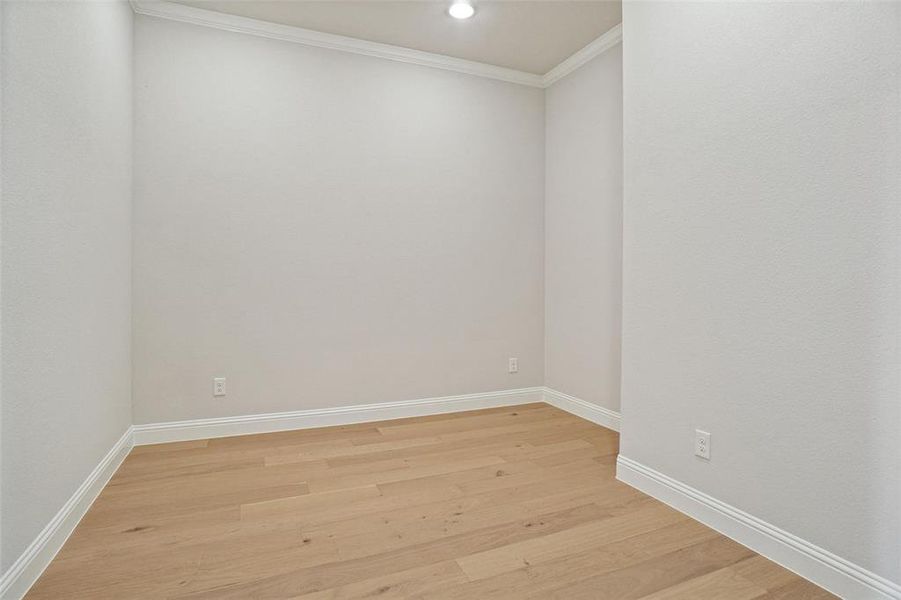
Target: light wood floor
point(503, 503)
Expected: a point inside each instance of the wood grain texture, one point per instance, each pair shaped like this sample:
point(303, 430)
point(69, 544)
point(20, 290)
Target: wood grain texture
point(495, 504)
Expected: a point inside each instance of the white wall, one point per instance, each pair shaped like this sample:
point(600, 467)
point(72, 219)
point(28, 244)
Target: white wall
point(583, 231)
point(66, 234)
point(328, 229)
point(761, 261)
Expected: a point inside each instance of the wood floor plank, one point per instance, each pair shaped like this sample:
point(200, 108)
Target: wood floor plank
point(326, 482)
point(468, 442)
point(799, 589)
point(506, 503)
point(597, 533)
point(403, 584)
point(724, 584)
point(658, 573)
point(306, 503)
point(540, 579)
point(334, 451)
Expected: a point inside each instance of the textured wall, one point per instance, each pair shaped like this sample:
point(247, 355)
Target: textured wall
point(583, 230)
point(328, 229)
point(761, 261)
point(66, 270)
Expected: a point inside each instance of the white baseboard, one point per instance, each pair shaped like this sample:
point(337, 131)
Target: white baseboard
point(180, 431)
point(827, 570)
point(812, 562)
point(28, 567)
point(15, 583)
point(591, 412)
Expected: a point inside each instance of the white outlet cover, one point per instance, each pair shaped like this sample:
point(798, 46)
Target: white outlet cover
point(219, 386)
point(702, 444)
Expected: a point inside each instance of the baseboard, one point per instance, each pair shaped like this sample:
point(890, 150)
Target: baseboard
point(839, 576)
point(591, 412)
point(19, 578)
point(808, 560)
point(180, 431)
point(29, 566)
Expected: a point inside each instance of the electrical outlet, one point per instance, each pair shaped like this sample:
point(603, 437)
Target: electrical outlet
point(219, 386)
point(702, 444)
point(513, 366)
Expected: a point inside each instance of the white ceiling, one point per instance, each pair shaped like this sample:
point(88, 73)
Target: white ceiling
point(528, 35)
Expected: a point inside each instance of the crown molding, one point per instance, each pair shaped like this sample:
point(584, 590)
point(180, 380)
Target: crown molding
point(308, 37)
point(595, 48)
point(288, 33)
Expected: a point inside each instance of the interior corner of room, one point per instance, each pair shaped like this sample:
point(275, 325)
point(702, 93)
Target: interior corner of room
point(685, 230)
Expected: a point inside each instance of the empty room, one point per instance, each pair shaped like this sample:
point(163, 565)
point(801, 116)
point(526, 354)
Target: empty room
point(450, 299)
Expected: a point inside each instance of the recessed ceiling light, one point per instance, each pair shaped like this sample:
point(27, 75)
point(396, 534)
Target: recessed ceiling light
point(461, 9)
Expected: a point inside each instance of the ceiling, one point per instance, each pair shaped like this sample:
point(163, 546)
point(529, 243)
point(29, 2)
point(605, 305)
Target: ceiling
point(527, 35)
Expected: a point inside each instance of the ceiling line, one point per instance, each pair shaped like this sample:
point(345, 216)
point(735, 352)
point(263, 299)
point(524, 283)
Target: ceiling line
point(289, 33)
